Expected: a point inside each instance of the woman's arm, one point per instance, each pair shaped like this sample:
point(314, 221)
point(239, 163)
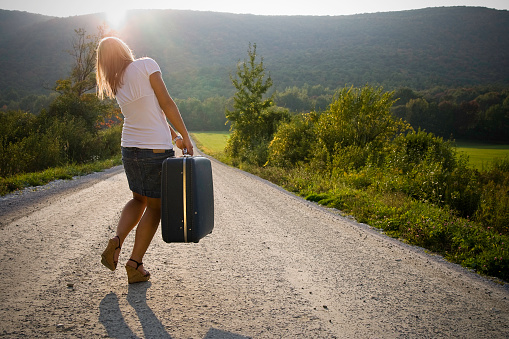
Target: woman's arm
point(170, 109)
point(178, 142)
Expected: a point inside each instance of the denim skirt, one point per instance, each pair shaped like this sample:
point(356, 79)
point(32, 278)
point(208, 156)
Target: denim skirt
point(143, 170)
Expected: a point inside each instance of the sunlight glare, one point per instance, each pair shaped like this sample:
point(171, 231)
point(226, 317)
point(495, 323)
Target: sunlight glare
point(116, 18)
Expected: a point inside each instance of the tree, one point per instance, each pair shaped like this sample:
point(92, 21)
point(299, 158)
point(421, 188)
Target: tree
point(75, 100)
point(82, 77)
point(419, 114)
point(357, 118)
point(77, 112)
point(253, 118)
point(294, 99)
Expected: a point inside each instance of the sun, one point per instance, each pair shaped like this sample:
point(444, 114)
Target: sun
point(116, 18)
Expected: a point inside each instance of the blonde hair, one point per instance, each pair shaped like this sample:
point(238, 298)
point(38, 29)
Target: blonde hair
point(113, 57)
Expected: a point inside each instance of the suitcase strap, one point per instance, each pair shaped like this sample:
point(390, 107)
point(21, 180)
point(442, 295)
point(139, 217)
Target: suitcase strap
point(184, 197)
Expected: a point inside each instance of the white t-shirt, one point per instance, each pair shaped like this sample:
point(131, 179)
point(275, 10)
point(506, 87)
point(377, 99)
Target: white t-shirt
point(145, 124)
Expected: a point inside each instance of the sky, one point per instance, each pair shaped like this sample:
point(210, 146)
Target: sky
point(65, 8)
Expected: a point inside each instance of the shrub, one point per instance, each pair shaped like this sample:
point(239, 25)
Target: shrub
point(414, 148)
point(350, 158)
point(493, 206)
point(32, 144)
point(358, 117)
point(293, 141)
point(413, 186)
point(108, 142)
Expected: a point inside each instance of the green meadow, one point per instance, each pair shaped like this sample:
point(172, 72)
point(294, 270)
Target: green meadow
point(480, 155)
point(212, 143)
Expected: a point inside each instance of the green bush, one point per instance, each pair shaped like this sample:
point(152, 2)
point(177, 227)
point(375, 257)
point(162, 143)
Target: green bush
point(34, 144)
point(437, 229)
point(350, 158)
point(108, 142)
point(413, 148)
point(32, 153)
point(249, 142)
point(357, 117)
point(293, 142)
point(256, 153)
point(493, 206)
point(463, 190)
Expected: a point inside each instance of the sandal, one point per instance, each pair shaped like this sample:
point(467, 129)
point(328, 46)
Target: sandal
point(108, 256)
point(133, 275)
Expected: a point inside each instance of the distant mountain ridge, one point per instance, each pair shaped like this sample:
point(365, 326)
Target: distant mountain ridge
point(197, 51)
point(13, 21)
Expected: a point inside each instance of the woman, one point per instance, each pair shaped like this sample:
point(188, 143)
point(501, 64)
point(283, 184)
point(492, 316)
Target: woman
point(139, 89)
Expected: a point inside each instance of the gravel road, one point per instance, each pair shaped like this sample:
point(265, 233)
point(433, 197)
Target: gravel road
point(275, 266)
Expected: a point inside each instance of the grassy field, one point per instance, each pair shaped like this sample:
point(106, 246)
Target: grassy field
point(211, 143)
point(481, 154)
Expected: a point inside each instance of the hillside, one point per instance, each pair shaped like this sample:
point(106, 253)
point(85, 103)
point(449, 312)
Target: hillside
point(421, 49)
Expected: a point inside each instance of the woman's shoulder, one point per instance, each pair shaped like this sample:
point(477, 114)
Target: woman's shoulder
point(145, 60)
point(148, 64)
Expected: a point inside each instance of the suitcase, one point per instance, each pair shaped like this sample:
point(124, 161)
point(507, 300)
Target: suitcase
point(187, 211)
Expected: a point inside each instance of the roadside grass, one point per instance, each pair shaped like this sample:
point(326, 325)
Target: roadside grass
point(21, 181)
point(480, 155)
point(420, 223)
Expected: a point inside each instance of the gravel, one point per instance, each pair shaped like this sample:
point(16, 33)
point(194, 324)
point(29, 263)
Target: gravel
point(275, 266)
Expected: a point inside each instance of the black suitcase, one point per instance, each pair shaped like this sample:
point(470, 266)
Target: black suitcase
point(187, 211)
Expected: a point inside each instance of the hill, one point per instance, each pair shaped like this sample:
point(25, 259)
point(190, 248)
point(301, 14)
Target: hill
point(421, 49)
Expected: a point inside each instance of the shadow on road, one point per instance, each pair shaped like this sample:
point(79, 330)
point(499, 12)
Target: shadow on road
point(111, 317)
point(137, 298)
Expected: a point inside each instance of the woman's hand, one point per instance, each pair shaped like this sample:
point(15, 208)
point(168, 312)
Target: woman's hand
point(179, 143)
point(184, 143)
point(187, 144)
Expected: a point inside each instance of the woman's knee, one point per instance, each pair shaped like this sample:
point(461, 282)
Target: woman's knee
point(154, 203)
point(140, 199)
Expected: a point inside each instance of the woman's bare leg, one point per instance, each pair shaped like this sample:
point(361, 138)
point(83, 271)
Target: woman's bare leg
point(145, 231)
point(129, 218)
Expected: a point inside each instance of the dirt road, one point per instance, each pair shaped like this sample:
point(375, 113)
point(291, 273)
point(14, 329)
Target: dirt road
point(275, 266)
